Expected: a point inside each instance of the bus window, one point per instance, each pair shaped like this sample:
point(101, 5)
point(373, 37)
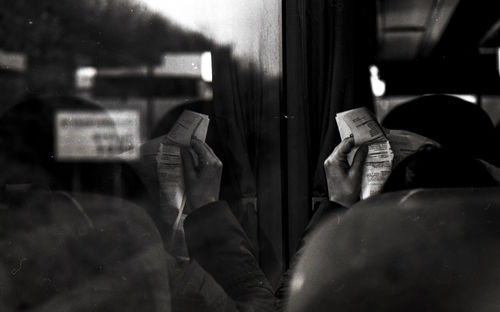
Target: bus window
point(92, 93)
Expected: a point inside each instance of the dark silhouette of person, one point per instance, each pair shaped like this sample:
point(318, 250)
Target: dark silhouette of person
point(27, 137)
point(450, 121)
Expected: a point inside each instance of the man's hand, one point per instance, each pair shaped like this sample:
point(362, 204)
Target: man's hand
point(202, 182)
point(344, 181)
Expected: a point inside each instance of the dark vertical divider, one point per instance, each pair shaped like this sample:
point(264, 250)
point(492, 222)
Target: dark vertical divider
point(295, 116)
point(269, 187)
point(327, 49)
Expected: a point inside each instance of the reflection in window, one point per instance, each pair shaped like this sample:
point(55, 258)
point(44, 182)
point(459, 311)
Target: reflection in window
point(89, 89)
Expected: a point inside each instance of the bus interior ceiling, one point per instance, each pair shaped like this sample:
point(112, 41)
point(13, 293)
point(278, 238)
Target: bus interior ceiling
point(438, 46)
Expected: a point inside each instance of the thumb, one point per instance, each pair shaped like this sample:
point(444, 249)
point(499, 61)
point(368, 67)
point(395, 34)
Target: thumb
point(357, 164)
point(188, 164)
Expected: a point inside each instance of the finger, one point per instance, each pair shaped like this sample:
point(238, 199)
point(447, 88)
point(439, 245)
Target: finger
point(339, 154)
point(344, 148)
point(206, 154)
point(201, 151)
point(188, 164)
point(357, 164)
point(204, 145)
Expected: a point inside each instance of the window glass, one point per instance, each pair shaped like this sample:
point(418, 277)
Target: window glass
point(93, 100)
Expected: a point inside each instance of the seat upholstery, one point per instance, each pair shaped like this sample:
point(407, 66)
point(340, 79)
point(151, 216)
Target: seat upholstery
point(418, 250)
point(80, 253)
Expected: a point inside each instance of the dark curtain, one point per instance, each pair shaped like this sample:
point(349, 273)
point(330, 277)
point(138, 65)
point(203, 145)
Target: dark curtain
point(246, 106)
point(327, 55)
point(232, 128)
point(231, 108)
point(340, 45)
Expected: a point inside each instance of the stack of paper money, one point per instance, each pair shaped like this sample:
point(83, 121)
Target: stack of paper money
point(364, 128)
point(386, 148)
point(170, 174)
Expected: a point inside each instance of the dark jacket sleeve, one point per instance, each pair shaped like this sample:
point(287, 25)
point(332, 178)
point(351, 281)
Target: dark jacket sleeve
point(325, 211)
point(218, 243)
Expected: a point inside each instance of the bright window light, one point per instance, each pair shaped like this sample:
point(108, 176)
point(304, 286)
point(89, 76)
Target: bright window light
point(206, 66)
point(85, 77)
point(378, 85)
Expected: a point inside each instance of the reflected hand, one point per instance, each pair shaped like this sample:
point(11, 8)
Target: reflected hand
point(202, 182)
point(344, 181)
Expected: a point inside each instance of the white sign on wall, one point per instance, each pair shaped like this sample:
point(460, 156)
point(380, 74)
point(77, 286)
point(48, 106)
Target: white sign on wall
point(88, 135)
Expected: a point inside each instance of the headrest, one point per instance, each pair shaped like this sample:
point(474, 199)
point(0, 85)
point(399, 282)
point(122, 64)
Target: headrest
point(62, 252)
point(27, 140)
point(450, 121)
point(418, 250)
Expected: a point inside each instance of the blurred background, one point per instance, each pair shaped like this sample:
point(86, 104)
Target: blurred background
point(144, 61)
point(148, 55)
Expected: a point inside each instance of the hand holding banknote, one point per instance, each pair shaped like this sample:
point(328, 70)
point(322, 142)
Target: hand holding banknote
point(344, 180)
point(202, 181)
point(386, 148)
